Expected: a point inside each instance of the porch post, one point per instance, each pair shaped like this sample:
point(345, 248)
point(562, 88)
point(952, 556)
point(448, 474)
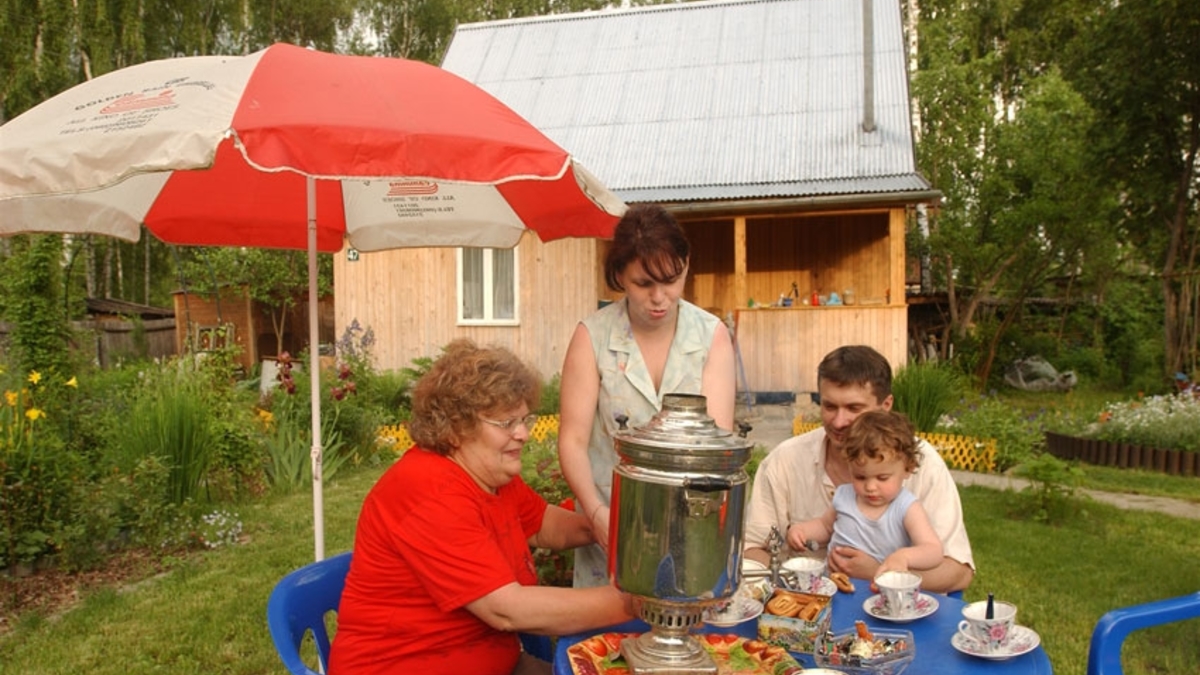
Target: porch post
point(740, 296)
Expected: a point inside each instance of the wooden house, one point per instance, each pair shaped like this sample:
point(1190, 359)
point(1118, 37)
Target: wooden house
point(206, 321)
point(778, 132)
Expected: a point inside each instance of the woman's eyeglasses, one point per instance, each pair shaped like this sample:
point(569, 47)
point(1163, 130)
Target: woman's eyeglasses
point(511, 423)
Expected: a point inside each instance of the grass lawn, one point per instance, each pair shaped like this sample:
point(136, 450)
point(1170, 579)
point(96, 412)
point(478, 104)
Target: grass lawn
point(206, 613)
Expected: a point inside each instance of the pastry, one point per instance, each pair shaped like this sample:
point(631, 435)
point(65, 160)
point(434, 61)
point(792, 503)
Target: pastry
point(810, 611)
point(784, 605)
point(842, 581)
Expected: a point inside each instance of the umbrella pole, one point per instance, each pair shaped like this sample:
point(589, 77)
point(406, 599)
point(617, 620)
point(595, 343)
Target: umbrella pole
point(314, 357)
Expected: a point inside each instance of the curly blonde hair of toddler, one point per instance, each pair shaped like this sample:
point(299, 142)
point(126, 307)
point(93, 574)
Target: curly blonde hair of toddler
point(880, 434)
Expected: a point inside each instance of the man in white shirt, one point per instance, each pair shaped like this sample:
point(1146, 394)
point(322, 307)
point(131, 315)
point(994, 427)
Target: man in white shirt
point(796, 481)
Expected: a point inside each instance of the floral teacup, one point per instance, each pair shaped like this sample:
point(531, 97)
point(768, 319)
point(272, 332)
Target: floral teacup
point(990, 635)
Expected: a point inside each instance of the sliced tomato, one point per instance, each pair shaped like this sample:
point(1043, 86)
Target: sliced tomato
point(596, 645)
point(613, 641)
point(617, 670)
point(730, 638)
point(714, 639)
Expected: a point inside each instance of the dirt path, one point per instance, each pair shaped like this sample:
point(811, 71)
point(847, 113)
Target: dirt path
point(1167, 505)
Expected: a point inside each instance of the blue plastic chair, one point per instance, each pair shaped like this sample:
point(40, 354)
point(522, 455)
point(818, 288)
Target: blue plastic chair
point(303, 598)
point(298, 605)
point(1104, 652)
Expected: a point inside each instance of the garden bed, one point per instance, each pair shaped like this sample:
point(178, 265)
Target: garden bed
point(1124, 455)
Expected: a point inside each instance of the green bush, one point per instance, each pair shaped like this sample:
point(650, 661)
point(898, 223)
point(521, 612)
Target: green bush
point(1017, 435)
point(171, 419)
point(551, 393)
point(925, 392)
point(1052, 485)
point(387, 392)
point(540, 470)
point(37, 475)
point(288, 442)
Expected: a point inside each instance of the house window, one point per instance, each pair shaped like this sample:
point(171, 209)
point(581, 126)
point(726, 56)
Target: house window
point(487, 286)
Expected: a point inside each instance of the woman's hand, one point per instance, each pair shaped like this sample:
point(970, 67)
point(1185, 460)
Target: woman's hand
point(599, 519)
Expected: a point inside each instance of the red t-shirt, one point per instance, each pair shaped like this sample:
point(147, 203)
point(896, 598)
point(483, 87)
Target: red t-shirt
point(429, 541)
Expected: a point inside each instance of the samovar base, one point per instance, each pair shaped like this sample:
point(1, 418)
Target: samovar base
point(653, 653)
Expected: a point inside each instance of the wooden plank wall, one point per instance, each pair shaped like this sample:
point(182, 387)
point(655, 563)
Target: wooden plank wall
point(823, 252)
point(408, 297)
point(781, 348)
point(193, 310)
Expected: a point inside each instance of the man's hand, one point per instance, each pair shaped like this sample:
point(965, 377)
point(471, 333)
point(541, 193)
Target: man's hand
point(758, 555)
point(852, 562)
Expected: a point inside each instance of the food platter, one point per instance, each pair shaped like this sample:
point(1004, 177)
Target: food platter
point(733, 655)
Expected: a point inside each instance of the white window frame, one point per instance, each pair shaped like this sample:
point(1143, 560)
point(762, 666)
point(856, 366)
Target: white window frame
point(489, 281)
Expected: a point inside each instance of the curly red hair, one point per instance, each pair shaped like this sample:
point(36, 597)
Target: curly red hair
point(467, 382)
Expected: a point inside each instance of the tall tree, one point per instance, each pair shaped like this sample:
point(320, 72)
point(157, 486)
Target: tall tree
point(1138, 64)
point(990, 105)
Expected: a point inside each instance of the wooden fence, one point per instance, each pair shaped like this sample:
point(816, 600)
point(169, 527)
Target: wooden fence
point(960, 452)
point(106, 342)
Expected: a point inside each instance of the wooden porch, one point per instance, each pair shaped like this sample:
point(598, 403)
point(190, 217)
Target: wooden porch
point(743, 263)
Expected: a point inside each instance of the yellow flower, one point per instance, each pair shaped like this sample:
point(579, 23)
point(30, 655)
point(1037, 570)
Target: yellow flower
point(34, 377)
point(34, 414)
point(74, 383)
point(11, 397)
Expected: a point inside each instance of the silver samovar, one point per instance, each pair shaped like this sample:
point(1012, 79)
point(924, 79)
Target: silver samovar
point(675, 535)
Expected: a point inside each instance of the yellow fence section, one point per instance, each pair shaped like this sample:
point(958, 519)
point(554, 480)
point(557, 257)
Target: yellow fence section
point(396, 435)
point(960, 452)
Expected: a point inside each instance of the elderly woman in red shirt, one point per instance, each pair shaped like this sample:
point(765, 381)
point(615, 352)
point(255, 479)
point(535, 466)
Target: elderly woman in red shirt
point(442, 577)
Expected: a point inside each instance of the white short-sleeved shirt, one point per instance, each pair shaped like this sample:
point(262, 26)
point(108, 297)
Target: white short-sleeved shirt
point(791, 486)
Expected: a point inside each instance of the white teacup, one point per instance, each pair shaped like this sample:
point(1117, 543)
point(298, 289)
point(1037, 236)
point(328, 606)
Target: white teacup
point(808, 572)
point(900, 591)
point(991, 635)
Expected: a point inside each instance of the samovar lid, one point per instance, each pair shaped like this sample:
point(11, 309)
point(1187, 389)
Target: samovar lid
point(683, 428)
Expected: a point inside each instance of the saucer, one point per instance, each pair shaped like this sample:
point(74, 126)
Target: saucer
point(926, 605)
point(824, 586)
point(739, 609)
point(1022, 641)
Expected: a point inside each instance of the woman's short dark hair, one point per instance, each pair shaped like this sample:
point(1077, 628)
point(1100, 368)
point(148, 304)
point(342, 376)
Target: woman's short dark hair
point(465, 382)
point(647, 232)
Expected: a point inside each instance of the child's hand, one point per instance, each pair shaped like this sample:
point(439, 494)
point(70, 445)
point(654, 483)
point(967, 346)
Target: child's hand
point(796, 537)
point(896, 562)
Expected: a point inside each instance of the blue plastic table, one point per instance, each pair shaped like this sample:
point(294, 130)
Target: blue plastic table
point(935, 654)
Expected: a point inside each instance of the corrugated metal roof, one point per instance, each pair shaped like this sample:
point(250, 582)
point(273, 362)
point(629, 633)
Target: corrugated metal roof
point(708, 100)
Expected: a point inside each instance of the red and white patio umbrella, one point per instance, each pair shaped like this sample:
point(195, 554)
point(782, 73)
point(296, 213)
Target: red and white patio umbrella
point(298, 149)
